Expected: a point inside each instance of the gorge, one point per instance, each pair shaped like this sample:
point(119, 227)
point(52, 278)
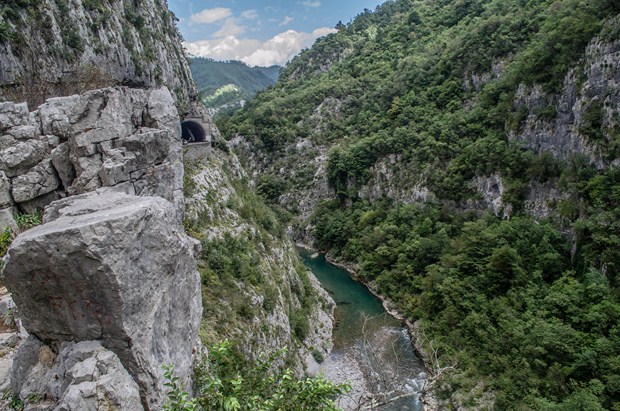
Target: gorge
point(371, 349)
point(461, 157)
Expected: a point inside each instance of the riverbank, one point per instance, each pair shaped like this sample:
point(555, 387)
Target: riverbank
point(427, 399)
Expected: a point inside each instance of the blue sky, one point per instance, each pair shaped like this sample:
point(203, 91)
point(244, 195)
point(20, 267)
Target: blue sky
point(259, 32)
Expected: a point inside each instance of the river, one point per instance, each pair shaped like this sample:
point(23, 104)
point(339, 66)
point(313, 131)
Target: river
point(372, 349)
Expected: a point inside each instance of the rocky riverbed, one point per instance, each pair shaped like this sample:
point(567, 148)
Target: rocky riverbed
point(372, 349)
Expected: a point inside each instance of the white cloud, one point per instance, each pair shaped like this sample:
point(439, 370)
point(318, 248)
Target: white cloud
point(208, 16)
point(228, 48)
point(277, 50)
point(323, 31)
point(230, 28)
point(315, 3)
point(249, 14)
point(287, 20)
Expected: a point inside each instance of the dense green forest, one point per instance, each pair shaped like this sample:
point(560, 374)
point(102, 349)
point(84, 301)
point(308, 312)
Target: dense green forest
point(227, 82)
point(528, 309)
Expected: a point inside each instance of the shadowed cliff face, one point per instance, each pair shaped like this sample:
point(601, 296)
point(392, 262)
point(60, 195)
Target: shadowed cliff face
point(58, 47)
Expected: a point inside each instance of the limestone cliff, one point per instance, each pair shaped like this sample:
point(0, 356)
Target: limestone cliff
point(579, 120)
point(255, 289)
point(116, 137)
point(60, 47)
point(85, 159)
point(111, 267)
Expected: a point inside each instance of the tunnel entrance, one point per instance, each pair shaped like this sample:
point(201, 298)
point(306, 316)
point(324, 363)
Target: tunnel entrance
point(193, 132)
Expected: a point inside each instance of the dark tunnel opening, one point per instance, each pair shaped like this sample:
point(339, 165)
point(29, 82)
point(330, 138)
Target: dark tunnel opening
point(192, 132)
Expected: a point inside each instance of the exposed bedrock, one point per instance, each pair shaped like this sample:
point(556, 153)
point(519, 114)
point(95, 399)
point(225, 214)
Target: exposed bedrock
point(113, 268)
point(114, 137)
point(83, 376)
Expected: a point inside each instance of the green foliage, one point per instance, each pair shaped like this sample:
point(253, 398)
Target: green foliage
point(592, 125)
point(227, 94)
point(215, 80)
point(6, 238)
point(11, 9)
point(7, 32)
point(178, 399)
point(133, 17)
point(94, 5)
point(544, 167)
point(226, 381)
point(299, 324)
point(407, 97)
point(318, 355)
point(14, 402)
point(271, 187)
point(434, 84)
point(25, 221)
point(35, 398)
point(232, 256)
point(502, 298)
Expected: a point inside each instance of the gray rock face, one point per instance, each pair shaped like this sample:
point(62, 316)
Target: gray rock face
point(5, 191)
point(119, 43)
point(12, 115)
point(117, 269)
point(106, 268)
point(40, 180)
point(83, 376)
point(21, 156)
point(566, 134)
point(103, 138)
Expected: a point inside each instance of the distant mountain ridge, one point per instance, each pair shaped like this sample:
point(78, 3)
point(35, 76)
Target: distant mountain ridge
point(223, 84)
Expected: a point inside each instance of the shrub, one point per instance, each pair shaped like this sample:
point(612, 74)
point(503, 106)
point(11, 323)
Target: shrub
point(26, 221)
point(318, 355)
point(226, 381)
point(6, 238)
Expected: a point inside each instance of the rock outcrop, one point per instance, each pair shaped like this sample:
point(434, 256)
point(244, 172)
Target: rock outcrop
point(112, 268)
point(83, 376)
point(107, 286)
point(595, 96)
point(116, 137)
point(61, 47)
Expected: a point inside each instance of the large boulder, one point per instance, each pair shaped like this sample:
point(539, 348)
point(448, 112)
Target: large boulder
point(114, 268)
point(83, 376)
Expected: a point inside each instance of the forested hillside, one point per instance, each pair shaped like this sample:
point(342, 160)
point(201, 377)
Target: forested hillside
point(223, 83)
point(463, 157)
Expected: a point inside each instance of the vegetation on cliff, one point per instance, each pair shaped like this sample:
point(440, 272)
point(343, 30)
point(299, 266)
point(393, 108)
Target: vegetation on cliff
point(528, 308)
point(51, 48)
point(256, 293)
point(226, 380)
point(257, 298)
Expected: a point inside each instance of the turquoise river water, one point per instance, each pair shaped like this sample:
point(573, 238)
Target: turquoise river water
point(379, 342)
